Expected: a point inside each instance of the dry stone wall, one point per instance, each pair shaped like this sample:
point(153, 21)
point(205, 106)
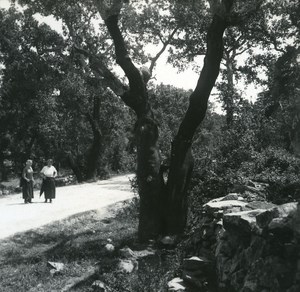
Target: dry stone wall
point(253, 245)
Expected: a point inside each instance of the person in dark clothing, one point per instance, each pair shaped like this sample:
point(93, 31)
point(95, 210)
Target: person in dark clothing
point(27, 182)
point(49, 173)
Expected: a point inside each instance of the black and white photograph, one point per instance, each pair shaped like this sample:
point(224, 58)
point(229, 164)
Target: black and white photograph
point(149, 146)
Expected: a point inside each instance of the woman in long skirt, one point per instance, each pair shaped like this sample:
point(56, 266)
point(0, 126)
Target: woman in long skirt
point(27, 182)
point(49, 173)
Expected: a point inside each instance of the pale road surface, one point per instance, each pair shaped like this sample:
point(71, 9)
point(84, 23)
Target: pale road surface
point(15, 216)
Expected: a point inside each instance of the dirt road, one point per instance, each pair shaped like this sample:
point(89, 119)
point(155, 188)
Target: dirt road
point(15, 216)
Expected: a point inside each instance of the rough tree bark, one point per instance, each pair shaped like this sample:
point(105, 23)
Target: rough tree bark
point(181, 156)
point(146, 130)
point(165, 212)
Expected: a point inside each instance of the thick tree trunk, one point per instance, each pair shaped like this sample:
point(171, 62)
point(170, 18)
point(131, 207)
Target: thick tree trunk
point(181, 158)
point(149, 183)
point(155, 210)
point(178, 181)
point(148, 158)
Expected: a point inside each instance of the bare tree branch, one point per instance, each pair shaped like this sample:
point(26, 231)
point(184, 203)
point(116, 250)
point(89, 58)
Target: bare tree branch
point(165, 44)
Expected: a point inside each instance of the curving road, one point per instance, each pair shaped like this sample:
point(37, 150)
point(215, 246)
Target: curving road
point(15, 216)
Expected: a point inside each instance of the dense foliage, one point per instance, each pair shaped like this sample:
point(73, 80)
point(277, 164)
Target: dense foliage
point(51, 105)
point(60, 98)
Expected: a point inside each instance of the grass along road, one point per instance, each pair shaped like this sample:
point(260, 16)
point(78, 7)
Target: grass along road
point(15, 216)
point(81, 220)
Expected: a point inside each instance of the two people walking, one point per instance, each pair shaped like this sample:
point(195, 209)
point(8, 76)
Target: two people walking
point(48, 174)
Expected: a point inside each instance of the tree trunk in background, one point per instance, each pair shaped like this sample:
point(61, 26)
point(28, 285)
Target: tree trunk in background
point(75, 168)
point(181, 156)
point(95, 150)
point(85, 168)
point(229, 93)
point(295, 136)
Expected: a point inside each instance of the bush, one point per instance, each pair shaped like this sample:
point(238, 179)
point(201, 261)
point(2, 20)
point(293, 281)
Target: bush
point(214, 178)
point(275, 165)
